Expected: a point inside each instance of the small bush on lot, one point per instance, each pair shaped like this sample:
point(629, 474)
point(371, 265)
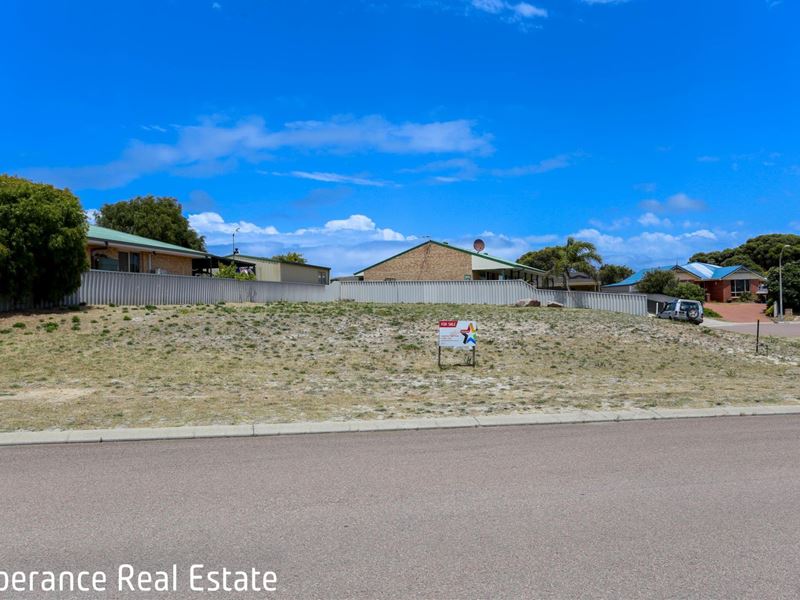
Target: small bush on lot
point(19, 325)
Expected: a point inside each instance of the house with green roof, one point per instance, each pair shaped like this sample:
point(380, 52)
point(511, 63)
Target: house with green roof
point(439, 261)
point(111, 250)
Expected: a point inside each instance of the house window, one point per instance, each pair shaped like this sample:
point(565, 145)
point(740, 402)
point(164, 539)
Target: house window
point(134, 263)
point(739, 286)
point(129, 262)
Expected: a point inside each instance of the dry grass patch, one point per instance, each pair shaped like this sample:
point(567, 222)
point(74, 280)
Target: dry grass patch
point(136, 366)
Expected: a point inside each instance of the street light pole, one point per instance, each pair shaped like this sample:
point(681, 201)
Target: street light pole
point(233, 241)
point(780, 283)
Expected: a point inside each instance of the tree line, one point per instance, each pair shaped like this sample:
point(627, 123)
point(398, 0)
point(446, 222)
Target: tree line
point(576, 256)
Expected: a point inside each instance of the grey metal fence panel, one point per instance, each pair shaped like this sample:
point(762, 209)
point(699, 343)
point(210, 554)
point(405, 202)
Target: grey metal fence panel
point(107, 287)
point(486, 292)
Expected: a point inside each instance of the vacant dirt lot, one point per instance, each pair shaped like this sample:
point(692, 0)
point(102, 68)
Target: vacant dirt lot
point(111, 366)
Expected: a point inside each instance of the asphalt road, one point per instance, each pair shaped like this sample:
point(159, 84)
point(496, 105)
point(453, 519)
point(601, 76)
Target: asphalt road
point(768, 327)
point(706, 508)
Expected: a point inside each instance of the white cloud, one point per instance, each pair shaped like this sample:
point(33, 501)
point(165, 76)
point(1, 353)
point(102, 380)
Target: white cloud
point(676, 203)
point(605, 1)
point(523, 9)
point(453, 169)
point(353, 222)
point(514, 12)
point(91, 215)
point(334, 178)
point(212, 224)
point(543, 166)
point(614, 225)
point(650, 220)
point(707, 159)
point(212, 147)
point(653, 248)
point(344, 244)
point(216, 5)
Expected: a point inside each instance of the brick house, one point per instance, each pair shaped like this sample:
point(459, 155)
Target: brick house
point(721, 284)
point(439, 261)
point(111, 250)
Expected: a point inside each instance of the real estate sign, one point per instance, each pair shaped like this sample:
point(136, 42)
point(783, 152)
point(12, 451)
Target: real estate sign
point(458, 334)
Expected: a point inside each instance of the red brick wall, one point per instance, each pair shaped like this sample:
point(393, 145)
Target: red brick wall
point(720, 291)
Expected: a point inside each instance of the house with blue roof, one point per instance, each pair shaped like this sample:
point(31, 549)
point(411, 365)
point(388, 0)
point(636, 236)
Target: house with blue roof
point(721, 284)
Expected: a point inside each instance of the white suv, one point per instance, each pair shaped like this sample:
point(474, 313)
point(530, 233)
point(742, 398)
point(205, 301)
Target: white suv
point(683, 310)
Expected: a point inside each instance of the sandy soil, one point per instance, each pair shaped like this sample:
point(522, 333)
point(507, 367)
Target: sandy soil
point(112, 366)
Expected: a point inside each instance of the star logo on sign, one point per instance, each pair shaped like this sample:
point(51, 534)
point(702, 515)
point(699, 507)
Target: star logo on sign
point(469, 334)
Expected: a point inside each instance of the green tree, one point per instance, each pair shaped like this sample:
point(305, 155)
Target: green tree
point(791, 285)
point(157, 218)
point(609, 274)
point(742, 259)
point(667, 283)
point(293, 257)
point(759, 253)
point(544, 259)
point(576, 255)
point(656, 281)
point(42, 241)
point(684, 289)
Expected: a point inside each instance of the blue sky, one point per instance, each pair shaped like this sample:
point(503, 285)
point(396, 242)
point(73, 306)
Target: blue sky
point(351, 130)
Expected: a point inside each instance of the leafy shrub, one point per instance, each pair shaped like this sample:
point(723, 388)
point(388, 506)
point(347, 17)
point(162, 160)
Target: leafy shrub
point(689, 291)
point(655, 282)
point(230, 272)
point(42, 241)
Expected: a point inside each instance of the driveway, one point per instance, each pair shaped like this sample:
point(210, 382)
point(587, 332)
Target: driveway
point(703, 508)
point(735, 312)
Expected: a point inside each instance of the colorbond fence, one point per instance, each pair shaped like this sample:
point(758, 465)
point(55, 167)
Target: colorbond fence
point(486, 292)
point(107, 287)
point(113, 287)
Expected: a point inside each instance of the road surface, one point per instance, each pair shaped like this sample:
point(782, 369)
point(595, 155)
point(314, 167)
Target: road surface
point(706, 508)
point(768, 327)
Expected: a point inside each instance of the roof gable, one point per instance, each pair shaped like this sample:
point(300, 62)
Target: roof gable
point(502, 261)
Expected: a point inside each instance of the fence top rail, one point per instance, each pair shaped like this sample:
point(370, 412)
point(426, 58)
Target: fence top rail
point(197, 278)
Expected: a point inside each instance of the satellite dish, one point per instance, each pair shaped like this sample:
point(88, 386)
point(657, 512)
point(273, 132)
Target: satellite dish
point(478, 245)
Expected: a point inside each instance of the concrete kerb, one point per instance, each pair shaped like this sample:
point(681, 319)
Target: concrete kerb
point(273, 429)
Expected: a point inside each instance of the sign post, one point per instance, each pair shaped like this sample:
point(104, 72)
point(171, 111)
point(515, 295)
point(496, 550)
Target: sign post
point(460, 335)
